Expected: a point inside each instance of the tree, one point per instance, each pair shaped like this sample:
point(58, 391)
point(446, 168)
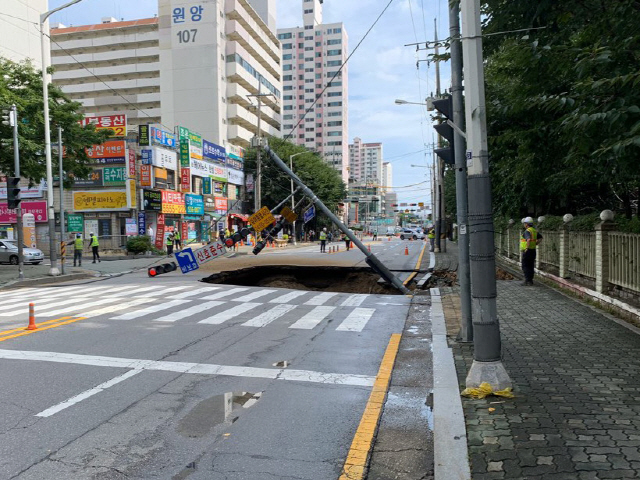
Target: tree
point(21, 84)
point(325, 181)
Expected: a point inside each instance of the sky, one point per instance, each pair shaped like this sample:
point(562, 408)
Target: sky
point(381, 70)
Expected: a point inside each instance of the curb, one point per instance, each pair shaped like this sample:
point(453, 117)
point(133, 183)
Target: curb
point(45, 280)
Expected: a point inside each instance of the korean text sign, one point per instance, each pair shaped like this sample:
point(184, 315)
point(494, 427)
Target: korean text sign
point(117, 123)
point(209, 252)
point(173, 202)
point(112, 151)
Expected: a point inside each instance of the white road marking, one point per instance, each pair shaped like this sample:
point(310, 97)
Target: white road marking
point(192, 292)
point(321, 298)
point(44, 296)
point(269, 316)
point(151, 309)
point(137, 290)
point(75, 308)
point(45, 305)
point(116, 291)
point(163, 291)
point(313, 318)
point(253, 295)
point(19, 292)
point(188, 367)
point(187, 312)
point(356, 320)
point(86, 394)
point(286, 298)
point(230, 313)
point(225, 293)
point(354, 300)
point(116, 307)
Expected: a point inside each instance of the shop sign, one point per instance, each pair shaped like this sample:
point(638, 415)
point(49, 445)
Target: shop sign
point(194, 204)
point(236, 177)
point(213, 151)
point(218, 188)
point(145, 175)
point(206, 186)
point(94, 179)
point(233, 163)
point(90, 226)
point(100, 200)
point(209, 203)
point(235, 152)
point(173, 202)
point(185, 179)
point(38, 209)
point(219, 173)
point(160, 236)
point(160, 157)
point(75, 222)
point(249, 183)
point(142, 223)
point(112, 151)
point(220, 203)
point(132, 164)
point(117, 123)
point(113, 175)
point(143, 135)
point(131, 227)
point(202, 168)
point(152, 200)
point(184, 152)
point(26, 192)
point(160, 137)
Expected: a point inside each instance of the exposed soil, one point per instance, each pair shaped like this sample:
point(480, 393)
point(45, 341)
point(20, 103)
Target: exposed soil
point(446, 278)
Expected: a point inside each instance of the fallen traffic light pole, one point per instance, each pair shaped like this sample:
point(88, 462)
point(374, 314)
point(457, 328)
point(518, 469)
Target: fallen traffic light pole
point(371, 259)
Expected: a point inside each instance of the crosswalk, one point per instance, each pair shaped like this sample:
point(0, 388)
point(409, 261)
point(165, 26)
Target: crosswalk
point(249, 307)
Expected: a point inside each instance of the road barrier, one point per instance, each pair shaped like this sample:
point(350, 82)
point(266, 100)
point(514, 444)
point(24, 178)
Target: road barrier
point(32, 317)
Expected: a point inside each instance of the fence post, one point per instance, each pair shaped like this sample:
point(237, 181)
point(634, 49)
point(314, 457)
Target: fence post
point(602, 250)
point(565, 246)
point(508, 237)
point(538, 261)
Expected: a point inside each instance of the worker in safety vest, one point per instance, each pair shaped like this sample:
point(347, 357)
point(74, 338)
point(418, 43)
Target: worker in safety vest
point(528, 243)
point(94, 244)
point(170, 239)
point(431, 235)
point(77, 249)
point(176, 239)
point(323, 241)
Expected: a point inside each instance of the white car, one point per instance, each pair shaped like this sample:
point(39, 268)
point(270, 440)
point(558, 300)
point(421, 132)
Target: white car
point(9, 253)
point(412, 234)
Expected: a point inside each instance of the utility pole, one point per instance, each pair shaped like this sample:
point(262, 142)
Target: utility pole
point(62, 223)
point(459, 147)
point(13, 122)
point(257, 142)
point(436, 160)
point(487, 364)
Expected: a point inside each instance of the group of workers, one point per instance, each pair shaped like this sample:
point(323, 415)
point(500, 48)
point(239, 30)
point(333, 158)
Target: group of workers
point(78, 246)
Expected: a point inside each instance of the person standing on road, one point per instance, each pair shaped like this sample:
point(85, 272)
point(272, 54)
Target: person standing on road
point(177, 239)
point(170, 239)
point(528, 244)
point(77, 249)
point(323, 241)
point(431, 235)
point(375, 235)
point(94, 244)
point(347, 241)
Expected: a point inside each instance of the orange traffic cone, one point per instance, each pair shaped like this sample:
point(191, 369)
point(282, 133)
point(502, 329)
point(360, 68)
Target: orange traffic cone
point(351, 245)
point(406, 250)
point(32, 317)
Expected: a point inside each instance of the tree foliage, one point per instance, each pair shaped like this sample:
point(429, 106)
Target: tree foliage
point(321, 178)
point(21, 84)
point(563, 105)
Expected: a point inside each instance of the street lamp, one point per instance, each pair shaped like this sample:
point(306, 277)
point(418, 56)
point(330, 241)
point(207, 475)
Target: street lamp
point(293, 205)
point(53, 271)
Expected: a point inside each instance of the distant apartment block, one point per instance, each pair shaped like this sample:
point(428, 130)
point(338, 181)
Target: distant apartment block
point(195, 65)
point(365, 163)
point(312, 55)
point(20, 30)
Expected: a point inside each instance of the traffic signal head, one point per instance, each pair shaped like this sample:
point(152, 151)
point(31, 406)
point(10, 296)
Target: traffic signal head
point(445, 107)
point(160, 269)
point(13, 192)
point(8, 117)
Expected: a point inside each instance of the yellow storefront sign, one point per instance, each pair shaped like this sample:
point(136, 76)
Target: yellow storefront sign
point(97, 201)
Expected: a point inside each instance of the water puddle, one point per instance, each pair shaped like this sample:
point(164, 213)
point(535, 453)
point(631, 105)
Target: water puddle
point(215, 411)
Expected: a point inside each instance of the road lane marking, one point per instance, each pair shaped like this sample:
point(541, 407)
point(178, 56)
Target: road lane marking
point(118, 306)
point(354, 300)
point(225, 293)
point(22, 329)
point(313, 318)
point(40, 307)
point(81, 306)
point(356, 320)
point(321, 298)
point(253, 295)
point(192, 293)
point(269, 316)
point(86, 394)
point(230, 313)
point(192, 368)
point(40, 329)
point(163, 291)
point(417, 267)
point(358, 456)
point(148, 310)
point(140, 289)
point(173, 317)
point(286, 298)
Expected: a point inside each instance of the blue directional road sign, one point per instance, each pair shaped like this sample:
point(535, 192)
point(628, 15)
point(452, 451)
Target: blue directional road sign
point(309, 213)
point(186, 260)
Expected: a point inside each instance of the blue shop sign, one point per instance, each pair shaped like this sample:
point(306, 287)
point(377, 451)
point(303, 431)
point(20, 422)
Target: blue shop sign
point(147, 156)
point(160, 137)
point(194, 204)
point(213, 151)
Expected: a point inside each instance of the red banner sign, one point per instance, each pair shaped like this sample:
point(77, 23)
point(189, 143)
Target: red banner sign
point(221, 203)
point(39, 210)
point(160, 236)
point(145, 175)
point(132, 164)
point(109, 149)
point(117, 123)
point(185, 173)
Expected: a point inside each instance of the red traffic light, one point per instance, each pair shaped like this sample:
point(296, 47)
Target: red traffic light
point(229, 242)
point(160, 269)
point(152, 272)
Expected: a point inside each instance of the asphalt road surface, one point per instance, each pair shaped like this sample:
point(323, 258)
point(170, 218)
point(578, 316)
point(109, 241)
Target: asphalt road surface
point(138, 378)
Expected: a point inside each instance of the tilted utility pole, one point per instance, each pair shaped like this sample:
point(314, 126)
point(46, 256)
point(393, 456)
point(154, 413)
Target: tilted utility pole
point(13, 122)
point(459, 147)
point(487, 364)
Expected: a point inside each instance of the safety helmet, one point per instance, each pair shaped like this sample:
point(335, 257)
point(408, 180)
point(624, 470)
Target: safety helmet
point(528, 220)
point(78, 235)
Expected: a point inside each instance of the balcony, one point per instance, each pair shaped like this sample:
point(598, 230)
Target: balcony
point(237, 33)
point(242, 12)
point(239, 136)
point(238, 115)
point(236, 73)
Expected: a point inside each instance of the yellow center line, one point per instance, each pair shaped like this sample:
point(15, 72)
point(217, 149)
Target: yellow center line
point(23, 331)
point(356, 463)
point(413, 274)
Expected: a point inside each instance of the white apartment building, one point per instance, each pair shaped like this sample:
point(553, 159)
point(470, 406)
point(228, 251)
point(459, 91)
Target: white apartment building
point(312, 55)
point(194, 65)
point(20, 32)
point(365, 163)
point(387, 176)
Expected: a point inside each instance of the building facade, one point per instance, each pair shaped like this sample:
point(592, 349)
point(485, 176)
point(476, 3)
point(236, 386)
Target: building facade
point(20, 33)
point(313, 57)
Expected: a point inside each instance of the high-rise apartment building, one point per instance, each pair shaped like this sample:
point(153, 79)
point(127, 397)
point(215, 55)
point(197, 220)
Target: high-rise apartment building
point(365, 163)
point(387, 176)
point(196, 65)
point(312, 58)
point(20, 31)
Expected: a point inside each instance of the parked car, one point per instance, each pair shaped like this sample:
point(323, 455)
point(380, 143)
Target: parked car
point(9, 253)
point(409, 233)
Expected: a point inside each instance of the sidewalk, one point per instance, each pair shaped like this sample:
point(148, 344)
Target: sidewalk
point(575, 371)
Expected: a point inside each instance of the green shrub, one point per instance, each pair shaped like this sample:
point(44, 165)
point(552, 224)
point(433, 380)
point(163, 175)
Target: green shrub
point(139, 244)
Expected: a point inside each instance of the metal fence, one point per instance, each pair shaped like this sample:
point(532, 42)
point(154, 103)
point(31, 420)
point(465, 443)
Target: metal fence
point(582, 253)
point(624, 260)
point(549, 249)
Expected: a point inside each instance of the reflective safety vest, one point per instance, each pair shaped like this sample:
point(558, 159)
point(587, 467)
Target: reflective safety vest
point(94, 241)
point(323, 236)
point(169, 240)
point(523, 242)
point(533, 241)
point(431, 234)
point(176, 235)
point(77, 244)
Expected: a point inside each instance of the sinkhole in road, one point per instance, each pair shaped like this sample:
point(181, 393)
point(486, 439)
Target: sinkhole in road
point(329, 279)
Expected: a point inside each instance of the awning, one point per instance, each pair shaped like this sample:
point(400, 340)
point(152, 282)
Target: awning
point(244, 218)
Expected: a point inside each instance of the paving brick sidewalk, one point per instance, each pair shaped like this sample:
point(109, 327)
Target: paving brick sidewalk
point(576, 374)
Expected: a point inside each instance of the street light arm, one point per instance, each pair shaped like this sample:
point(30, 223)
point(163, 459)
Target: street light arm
point(45, 15)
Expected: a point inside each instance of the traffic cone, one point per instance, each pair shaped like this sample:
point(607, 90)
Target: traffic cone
point(369, 246)
point(406, 250)
point(388, 239)
point(351, 245)
point(32, 317)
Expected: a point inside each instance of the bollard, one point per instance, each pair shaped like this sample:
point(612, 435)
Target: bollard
point(32, 317)
point(406, 250)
